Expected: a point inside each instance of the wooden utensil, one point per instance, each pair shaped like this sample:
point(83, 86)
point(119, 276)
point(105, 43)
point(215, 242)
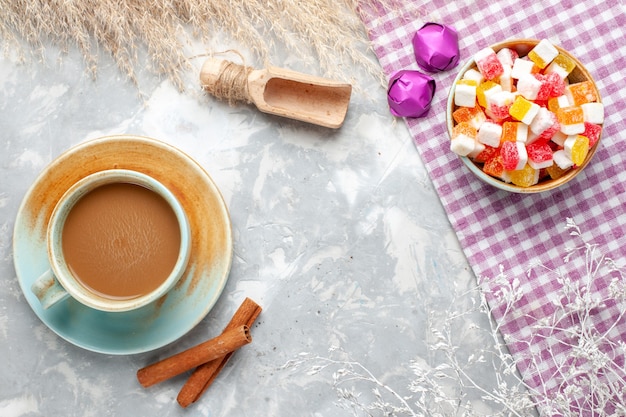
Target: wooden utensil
point(279, 91)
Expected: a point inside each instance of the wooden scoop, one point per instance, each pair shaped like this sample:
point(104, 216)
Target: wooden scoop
point(279, 91)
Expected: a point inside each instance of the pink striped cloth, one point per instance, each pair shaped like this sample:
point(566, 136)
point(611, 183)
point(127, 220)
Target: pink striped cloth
point(511, 232)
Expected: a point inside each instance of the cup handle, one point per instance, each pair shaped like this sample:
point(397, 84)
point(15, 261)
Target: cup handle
point(48, 290)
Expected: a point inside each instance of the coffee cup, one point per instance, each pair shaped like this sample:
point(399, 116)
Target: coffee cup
point(117, 240)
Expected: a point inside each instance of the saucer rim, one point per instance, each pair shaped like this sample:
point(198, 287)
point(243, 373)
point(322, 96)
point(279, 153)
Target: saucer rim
point(28, 235)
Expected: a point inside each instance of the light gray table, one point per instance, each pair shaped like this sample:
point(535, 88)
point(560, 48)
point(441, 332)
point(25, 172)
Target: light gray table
point(338, 235)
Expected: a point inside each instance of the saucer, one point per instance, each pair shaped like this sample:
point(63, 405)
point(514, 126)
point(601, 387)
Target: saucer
point(173, 315)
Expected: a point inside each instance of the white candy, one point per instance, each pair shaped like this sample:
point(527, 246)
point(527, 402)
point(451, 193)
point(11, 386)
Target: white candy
point(500, 98)
point(559, 138)
point(561, 160)
point(478, 148)
point(528, 86)
point(483, 53)
point(462, 144)
point(573, 129)
point(465, 95)
point(478, 120)
point(532, 137)
point(593, 112)
point(563, 101)
point(489, 134)
point(506, 81)
point(505, 57)
point(542, 121)
point(556, 68)
point(474, 75)
point(590, 97)
point(568, 146)
point(521, 135)
point(545, 51)
point(531, 114)
point(497, 88)
point(522, 67)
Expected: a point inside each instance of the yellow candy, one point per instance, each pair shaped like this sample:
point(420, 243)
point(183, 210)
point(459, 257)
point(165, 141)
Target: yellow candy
point(576, 148)
point(471, 83)
point(555, 171)
point(543, 53)
point(525, 177)
point(523, 110)
point(484, 89)
point(562, 65)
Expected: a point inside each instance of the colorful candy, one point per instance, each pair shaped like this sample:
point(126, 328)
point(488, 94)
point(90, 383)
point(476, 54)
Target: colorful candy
point(520, 117)
point(485, 90)
point(592, 132)
point(495, 168)
point(514, 155)
point(528, 86)
point(474, 75)
point(556, 103)
point(506, 81)
point(555, 171)
point(489, 134)
point(524, 110)
point(543, 53)
point(539, 155)
point(499, 104)
point(488, 63)
point(525, 177)
point(472, 115)
point(486, 154)
point(462, 145)
point(545, 124)
point(562, 160)
point(507, 56)
point(571, 119)
point(576, 148)
point(514, 132)
point(523, 67)
point(593, 112)
point(561, 65)
point(463, 139)
point(579, 93)
point(465, 93)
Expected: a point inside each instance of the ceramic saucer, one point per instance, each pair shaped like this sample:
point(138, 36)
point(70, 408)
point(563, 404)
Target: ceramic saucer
point(172, 316)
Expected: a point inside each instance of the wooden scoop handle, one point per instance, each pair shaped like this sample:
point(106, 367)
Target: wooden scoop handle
point(279, 91)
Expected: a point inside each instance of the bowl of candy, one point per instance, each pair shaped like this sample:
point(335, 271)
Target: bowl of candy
point(524, 115)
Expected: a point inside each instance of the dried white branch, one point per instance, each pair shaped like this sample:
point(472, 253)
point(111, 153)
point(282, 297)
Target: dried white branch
point(589, 380)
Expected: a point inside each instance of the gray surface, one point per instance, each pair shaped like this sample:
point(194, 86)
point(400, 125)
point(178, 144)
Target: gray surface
point(339, 235)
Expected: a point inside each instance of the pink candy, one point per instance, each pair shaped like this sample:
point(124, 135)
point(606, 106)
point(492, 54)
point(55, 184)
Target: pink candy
point(592, 131)
point(514, 155)
point(488, 63)
point(539, 155)
point(551, 86)
point(545, 124)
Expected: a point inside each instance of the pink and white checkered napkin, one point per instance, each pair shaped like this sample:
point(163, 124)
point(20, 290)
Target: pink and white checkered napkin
point(512, 231)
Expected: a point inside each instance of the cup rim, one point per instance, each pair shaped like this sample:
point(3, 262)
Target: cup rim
point(54, 242)
point(475, 169)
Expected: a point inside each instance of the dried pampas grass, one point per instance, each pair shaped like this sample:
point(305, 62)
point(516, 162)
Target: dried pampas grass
point(327, 34)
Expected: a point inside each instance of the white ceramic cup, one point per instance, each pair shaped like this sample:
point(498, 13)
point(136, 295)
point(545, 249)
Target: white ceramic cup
point(58, 282)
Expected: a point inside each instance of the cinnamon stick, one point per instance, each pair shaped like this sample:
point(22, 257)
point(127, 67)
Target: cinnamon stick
point(204, 375)
point(217, 347)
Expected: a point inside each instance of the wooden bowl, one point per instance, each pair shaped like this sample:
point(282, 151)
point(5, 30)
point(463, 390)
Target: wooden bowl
point(579, 74)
